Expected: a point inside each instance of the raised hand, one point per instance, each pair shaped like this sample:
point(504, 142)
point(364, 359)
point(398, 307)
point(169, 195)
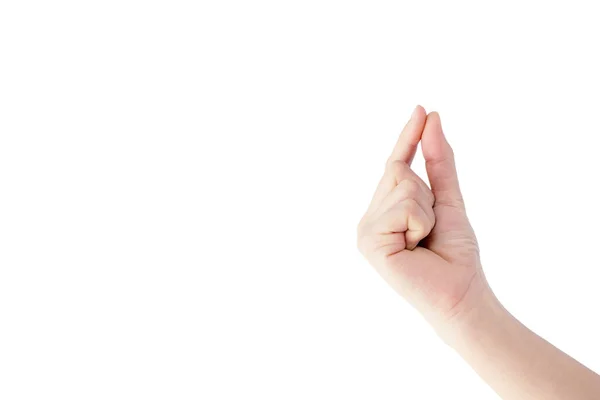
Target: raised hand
point(420, 239)
point(421, 242)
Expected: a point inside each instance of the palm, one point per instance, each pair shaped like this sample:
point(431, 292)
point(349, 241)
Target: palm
point(442, 267)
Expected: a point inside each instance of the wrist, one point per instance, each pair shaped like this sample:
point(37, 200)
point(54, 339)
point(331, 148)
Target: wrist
point(480, 315)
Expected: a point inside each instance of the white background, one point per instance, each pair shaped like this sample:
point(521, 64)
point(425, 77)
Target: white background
point(180, 184)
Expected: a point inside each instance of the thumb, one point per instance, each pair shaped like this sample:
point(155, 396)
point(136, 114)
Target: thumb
point(439, 162)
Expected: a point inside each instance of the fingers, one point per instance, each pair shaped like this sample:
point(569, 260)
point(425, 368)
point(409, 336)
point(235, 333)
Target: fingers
point(401, 211)
point(409, 189)
point(439, 162)
point(395, 173)
point(403, 153)
point(405, 217)
point(409, 138)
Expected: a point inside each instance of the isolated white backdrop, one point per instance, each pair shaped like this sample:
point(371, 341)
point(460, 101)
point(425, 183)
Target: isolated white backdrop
point(180, 184)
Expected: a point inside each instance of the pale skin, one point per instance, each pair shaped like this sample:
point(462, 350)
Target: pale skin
point(418, 237)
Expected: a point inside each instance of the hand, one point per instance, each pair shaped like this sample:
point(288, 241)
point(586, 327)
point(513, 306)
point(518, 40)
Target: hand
point(418, 239)
point(421, 242)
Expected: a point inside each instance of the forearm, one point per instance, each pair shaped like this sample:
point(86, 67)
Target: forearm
point(514, 361)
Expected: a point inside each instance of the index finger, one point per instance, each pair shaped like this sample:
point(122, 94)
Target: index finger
point(409, 138)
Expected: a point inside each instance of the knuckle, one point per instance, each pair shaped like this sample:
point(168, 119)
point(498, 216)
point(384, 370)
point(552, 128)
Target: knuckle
point(396, 167)
point(359, 231)
point(410, 188)
point(411, 206)
point(389, 164)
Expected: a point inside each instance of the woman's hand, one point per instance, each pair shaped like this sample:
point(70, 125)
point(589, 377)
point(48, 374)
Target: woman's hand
point(421, 242)
point(418, 239)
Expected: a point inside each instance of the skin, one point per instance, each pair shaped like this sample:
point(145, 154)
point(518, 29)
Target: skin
point(421, 242)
